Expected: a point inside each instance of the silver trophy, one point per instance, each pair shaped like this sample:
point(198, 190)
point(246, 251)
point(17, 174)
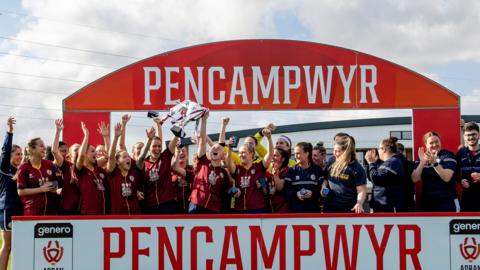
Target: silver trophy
point(181, 114)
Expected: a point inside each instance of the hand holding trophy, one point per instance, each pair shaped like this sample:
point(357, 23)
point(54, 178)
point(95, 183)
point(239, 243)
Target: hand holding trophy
point(181, 114)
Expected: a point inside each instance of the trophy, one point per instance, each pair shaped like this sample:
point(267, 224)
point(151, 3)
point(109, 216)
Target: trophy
point(181, 114)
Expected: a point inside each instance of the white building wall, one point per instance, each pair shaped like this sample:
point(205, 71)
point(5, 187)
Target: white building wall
point(365, 137)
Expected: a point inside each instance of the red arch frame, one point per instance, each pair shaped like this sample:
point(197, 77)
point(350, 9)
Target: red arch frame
point(434, 106)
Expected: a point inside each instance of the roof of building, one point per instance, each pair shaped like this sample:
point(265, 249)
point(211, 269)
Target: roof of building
point(330, 125)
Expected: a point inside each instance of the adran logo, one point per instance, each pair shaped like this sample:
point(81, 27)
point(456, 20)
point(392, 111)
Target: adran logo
point(53, 255)
point(471, 251)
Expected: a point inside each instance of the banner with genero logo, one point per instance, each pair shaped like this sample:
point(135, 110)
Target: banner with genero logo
point(380, 241)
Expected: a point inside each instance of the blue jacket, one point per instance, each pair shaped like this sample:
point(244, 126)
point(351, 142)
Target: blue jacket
point(9, 198)
point(389, 184)
point(467, 164)
point(298, 179)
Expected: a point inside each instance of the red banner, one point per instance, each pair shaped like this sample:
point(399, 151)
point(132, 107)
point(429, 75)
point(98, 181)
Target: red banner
point(262, 75)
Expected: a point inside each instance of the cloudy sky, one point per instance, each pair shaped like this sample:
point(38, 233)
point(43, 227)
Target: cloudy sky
point(49, 48)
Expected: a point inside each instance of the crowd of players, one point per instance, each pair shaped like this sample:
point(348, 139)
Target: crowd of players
point(106, 179)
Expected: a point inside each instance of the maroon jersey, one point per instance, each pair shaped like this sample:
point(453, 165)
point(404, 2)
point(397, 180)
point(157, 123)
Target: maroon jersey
point(184, 187)
point(278, 201)
point(93, 188)
point(252, 197)
point(123, 191)
point(70, 197)
point(209, 185)
point(39, 204)
point(159, 187)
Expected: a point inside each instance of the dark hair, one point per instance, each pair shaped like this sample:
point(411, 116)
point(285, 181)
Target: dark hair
point(307, 147)
point(320, 148)
point(49, 155)
point(15, 147)
point(390, 145)
point(342, 136)
point(253, 138)
point(62, 143)
point(285, 156)
point(470, 126)
point(400, 147)
point(31, 144)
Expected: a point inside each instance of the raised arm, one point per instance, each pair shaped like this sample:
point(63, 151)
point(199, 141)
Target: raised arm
point(223, 129)
point(111, 163)
point(141, 159)
point(173, 144)
point(230, 165)
point(7, 145)
point(158, 127)
point(260, 149)
point(121, 144)
point(58, 158)
point(202, 142)
point(104, 130)
point(268, 157)
point(83, 148)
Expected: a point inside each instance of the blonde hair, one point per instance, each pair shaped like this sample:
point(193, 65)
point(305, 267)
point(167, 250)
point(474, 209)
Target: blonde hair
point(347, 144)
point(31, 144)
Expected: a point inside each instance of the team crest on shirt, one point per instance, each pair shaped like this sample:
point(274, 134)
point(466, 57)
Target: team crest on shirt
point(221, 174)
point(253, 171)
point(244, 181)
point(99, 184)
point(132, 178)
point(212, 178)
point(153, 175)
point(312, 176)
point(49, 172)
point(126, 189)
point(30, 175)
point(102, 175)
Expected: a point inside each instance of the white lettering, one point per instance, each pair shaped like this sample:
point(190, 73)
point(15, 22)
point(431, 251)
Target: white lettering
point(149, 87)
point(257, 79)
point(370, 85)
point(346, 82)
point(197, 88)
point(211, 97)
point(312, 88)
point(289, 86)
point(234, 91)
point(169, 85)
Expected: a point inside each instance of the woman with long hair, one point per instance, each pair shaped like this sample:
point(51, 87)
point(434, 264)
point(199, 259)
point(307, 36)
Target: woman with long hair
point(275, 175)
point(69, 192)
point(347, 183)
point(250, 178)
point(92, 179)
point(386, 172)
point(211, 182)
point(435, 169)
point(10, 204)
point(37, 182)
point(303, 181)
point(182, 176)
point(125, 178)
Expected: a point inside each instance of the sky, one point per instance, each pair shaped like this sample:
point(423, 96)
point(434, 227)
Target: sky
point(49, 49)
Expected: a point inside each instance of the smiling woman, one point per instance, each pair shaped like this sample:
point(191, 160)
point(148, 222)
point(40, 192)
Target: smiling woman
point(435, 168)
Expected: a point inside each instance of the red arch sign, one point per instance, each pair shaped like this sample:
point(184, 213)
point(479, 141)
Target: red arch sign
point(266, 75)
